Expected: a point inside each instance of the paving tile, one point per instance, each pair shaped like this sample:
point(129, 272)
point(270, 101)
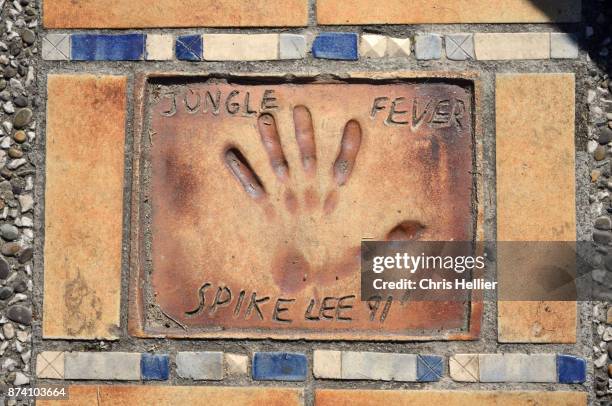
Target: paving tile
point(206, 365)
point(507, 46)
point(464, 367)
point(524, 176)
point(517, 367)
point(79, 395)
point(50, 365)
point(292, 46)
point(356, 12)
point(370, 397)
point(379, 366)
point(570, 369)
point(154, 367)
point(236, 364)
point(563, 45)
point(104, 47)
point(56, 47)
point(327, 364)
point(373, 46)
point(174, 13)
point(166, 395)
point(428, 46)
point(336, 45)
point(82, 254)
point(279, 366)
point(189, 47)
point(398, 47)
point(240, 47)
point(117, 366)
point(429, 368)
point(460, 47)
point(160, 47)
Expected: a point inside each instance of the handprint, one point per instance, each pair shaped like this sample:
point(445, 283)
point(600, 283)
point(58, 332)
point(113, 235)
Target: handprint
point(303, 209)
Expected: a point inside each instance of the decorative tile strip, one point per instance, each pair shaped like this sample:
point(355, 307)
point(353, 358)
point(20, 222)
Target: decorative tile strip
point(336, 45)
point(279, 366)
point(377, 366)
point(537, 368)
point(103, 47)
point(327, 45)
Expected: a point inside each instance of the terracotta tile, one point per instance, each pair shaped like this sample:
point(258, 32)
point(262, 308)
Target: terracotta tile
point(78, 395)
point(83, 205)
point(446, 11)
point(279, 251)
point(528, 181)
point(174, 13)
point(198, 396)
point(329, 397)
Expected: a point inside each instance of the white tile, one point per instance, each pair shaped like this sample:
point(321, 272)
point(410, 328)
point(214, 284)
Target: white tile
point(160, 47)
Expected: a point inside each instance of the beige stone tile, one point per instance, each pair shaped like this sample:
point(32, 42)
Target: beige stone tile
point(50, 365)
point(174, 13)
point(373, 46)
point(347, 397)
point(535, 113)
point(327, 364)
point(236, 364)
point(240, 47)
point(83, 205)
point(507, 46)
point(464, 367)
point(446, 11)
point(398, 47)
point(160, 47)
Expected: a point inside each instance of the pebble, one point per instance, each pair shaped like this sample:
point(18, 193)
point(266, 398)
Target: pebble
point(4, 268)
point(9, 232)
point(603, 223)
point(591, 145)
point(10, 249)
point(15, 153)
point(610, 350)
point(8, 330)
point(22, 118)
point(21, 379)
point(16, 163)
point(5, 293)
point(25, 255)
point(20, 137)
point(595, 174)
point(601, 361)
point(602, 237)
point(28, 37)
point(9, 108)
point(20, 314)
point(600, 153)
point(607, 335)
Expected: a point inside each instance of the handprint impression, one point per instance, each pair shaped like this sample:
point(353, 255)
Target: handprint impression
point(292, 267)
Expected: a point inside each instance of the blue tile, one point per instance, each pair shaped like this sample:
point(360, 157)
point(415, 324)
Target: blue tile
point(429, 368)
point(189, 47)
point(154, 367)
point(279, 366)
point(336, 45)
point(104, 47)
point(570, 369)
